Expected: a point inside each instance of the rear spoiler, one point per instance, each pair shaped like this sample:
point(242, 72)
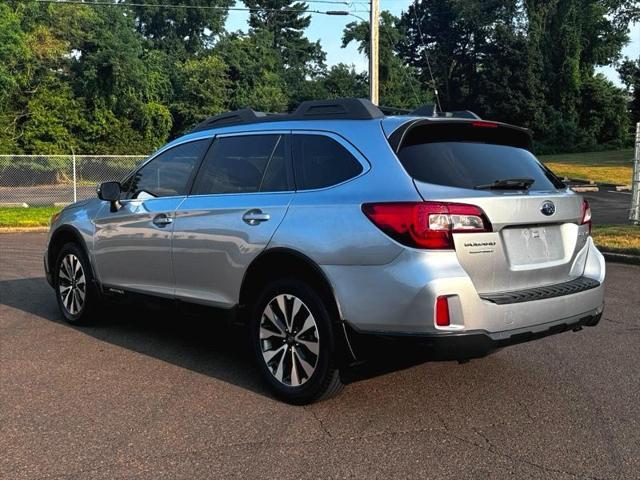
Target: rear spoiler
point(489, 132)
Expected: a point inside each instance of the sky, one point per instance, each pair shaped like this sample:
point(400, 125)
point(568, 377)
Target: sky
point(328, 30)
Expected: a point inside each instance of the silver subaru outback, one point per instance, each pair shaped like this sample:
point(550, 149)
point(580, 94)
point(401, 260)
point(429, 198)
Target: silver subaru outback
point(335, 232)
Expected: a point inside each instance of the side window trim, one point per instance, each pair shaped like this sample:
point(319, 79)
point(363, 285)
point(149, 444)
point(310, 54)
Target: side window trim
point(161, 151)
point(343, 142)
point(286, 136)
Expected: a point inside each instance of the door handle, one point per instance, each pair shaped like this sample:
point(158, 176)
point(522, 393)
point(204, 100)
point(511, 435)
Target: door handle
point(162, 220)
point(255, 216)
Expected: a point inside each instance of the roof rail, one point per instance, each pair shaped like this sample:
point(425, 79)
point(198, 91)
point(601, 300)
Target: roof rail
point(244, 115)
point(337, 109)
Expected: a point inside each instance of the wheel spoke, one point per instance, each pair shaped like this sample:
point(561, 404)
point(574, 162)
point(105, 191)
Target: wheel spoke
point(74, 302)
point(63, 275)
point(297, 305)
point(270, 354)
point(268, 333)
point(309, 323)
point(66, 299)
point(66, 268)
point(295, 379)
point(312, 346)
point(273, 318)
point(283, 308)
point(306, 366)
point(280, 370)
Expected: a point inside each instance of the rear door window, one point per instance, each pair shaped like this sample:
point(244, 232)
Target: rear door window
point(465, 156)
point(244, 164)
point(319, 162)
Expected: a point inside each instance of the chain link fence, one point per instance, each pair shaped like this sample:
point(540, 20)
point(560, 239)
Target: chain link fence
point(58, 179)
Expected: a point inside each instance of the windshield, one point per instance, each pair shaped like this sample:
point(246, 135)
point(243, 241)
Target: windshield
point(456, 160)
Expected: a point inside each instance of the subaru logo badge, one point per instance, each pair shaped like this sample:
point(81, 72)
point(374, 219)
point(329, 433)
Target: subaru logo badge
point(548, 208)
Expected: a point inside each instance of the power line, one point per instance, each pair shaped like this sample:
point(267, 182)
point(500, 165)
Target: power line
point(426, 56)
point(195, 7)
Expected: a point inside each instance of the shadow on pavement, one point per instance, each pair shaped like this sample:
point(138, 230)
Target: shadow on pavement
point(196, 342)
point(202, 341)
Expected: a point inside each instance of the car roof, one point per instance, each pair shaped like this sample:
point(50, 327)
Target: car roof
point(342, 115)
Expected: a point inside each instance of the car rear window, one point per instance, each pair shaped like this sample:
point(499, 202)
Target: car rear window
point(465, 156)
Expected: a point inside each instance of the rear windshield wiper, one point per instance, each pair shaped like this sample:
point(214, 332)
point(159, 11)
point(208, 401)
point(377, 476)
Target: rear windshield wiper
point(507, 184)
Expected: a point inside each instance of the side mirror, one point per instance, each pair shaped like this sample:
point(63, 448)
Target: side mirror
point(110, 192)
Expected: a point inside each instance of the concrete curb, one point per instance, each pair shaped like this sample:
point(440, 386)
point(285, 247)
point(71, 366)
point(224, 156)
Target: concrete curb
point(585, 188)
point(13, 205)
point(23, 230)
point(622, 258)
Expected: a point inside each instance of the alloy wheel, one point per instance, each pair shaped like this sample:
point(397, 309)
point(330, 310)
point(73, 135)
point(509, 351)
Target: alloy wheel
point(289, 340)
point(72, 284)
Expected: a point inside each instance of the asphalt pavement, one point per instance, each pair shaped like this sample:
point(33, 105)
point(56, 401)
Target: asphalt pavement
point(153, 395)
point(609, 207)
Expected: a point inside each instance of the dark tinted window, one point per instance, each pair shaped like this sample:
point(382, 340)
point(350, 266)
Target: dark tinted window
point(320, 161)
point(168, 174)
point(244, 164)
point(458, 157)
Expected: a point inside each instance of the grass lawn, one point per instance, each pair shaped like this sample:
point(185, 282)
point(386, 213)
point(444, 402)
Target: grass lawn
point(608, 167)
point(26, 217)
point(618, 238)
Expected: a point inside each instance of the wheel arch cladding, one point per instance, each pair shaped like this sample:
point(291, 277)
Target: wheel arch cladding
point(63, 235)
point(281, 263)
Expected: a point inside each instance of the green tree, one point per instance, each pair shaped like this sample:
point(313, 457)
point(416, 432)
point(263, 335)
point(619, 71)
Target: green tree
point(629, 71)
point(254, 70)
point(285, 21)
point(180, 32)
point(342, 81)
point(14, 52)
point(202, 89)
point(603, 120)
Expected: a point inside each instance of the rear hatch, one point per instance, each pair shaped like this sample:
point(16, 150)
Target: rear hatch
point(536, 229)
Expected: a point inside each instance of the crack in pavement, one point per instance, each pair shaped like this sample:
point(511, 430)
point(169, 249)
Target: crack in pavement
point(319, 420)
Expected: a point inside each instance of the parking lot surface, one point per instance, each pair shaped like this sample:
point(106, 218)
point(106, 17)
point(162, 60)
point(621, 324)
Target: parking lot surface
point(147, 394)
point(609, 207)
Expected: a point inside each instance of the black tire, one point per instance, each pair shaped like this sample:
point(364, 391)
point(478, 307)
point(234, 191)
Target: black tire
point(325, 380)
point(77, 314)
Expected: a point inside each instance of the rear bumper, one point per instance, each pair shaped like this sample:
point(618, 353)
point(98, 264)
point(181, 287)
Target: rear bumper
point(462, 345)
point(400, 297)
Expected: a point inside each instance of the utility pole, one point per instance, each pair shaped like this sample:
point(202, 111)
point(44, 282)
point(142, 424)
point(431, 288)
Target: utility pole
point(374, 21)
point(634, 213)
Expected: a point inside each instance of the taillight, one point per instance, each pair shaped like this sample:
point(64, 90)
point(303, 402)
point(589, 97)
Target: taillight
point(586, 214)
point(426, 224)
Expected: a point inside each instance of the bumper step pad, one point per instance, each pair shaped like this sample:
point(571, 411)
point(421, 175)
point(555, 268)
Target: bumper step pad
point(540, 293)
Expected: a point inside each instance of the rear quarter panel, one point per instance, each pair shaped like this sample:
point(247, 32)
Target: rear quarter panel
point(328, 226)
